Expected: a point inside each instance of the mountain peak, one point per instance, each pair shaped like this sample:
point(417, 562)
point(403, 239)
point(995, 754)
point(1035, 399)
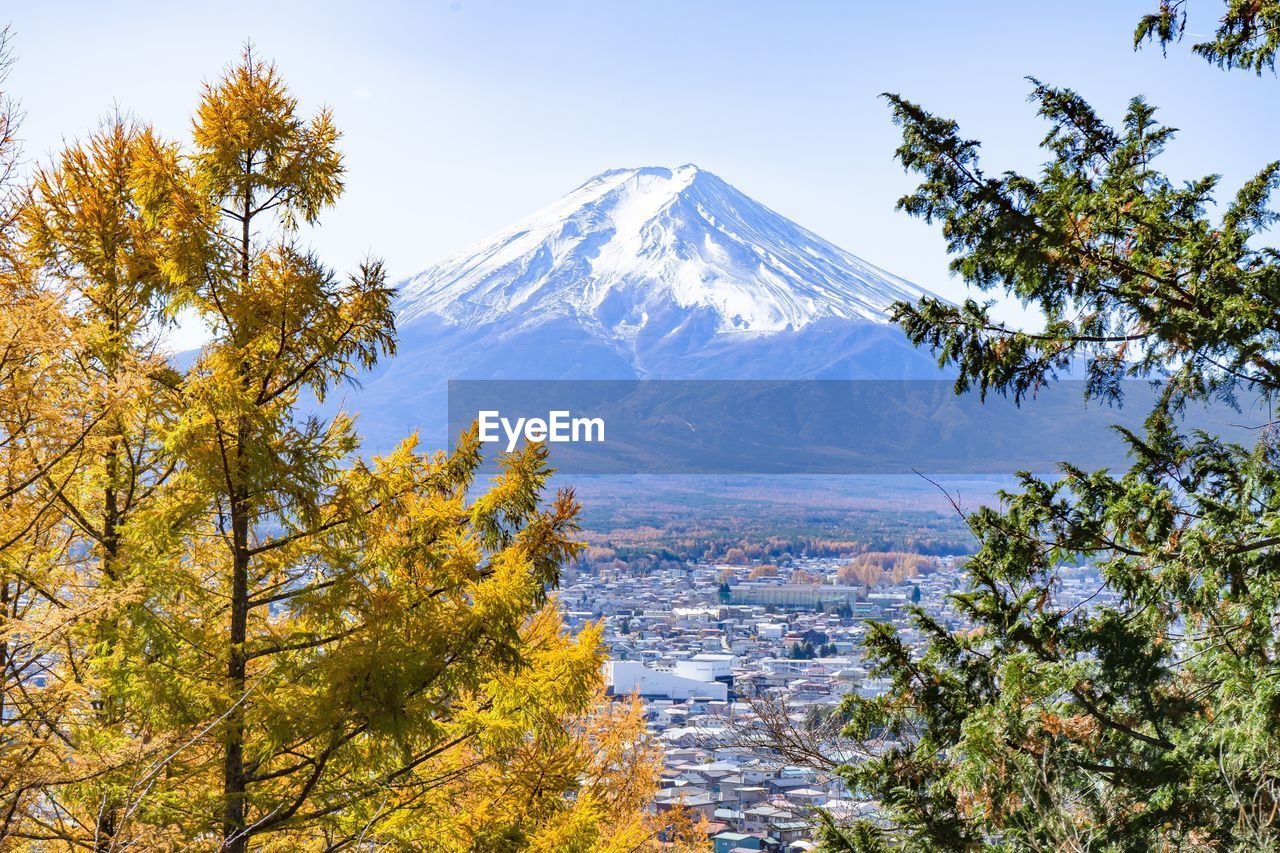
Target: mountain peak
point(670, 180)
point(644, 251)
point(687, 171)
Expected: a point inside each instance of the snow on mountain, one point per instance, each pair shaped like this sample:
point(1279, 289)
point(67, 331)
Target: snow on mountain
point(637, 252)
point(639, 273)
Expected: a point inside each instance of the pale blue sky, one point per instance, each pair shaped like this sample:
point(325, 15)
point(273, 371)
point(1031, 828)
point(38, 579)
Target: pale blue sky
point(462, 117)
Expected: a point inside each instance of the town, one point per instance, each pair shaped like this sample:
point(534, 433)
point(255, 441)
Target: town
point(742, 670)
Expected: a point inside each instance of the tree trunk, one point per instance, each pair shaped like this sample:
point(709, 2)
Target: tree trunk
point(233, 790)
point(234, 782)
point(107, 822)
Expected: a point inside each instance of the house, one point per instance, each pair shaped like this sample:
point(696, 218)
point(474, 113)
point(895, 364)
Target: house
point(730, 842)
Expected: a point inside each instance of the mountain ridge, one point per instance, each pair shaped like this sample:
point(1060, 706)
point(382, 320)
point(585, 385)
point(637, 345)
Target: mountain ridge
point(649, 273)
point(636, 251)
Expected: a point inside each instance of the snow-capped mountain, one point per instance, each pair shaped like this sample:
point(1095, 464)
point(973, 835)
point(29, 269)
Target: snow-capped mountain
point(634, 252)
point(650, 273)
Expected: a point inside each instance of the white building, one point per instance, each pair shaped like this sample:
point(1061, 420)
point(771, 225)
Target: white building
point(628, 676)
point(706, 667)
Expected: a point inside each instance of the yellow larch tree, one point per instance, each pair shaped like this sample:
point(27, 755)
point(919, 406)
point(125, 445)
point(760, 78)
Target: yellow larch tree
point(363, 637)
point(224, 628)
point(83, 238)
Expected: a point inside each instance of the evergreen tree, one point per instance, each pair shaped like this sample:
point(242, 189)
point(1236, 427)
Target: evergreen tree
point(801, 651)
point(1149, 724)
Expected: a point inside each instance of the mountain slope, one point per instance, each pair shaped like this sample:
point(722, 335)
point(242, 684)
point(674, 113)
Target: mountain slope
point(637, 252)
point(653, 273)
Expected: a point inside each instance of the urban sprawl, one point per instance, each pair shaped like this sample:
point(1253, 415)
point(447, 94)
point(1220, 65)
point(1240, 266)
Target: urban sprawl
point(738, 669)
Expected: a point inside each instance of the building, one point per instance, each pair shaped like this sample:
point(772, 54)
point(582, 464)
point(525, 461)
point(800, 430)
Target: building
point(708, 667)
point(795, 596)
point(628, 676)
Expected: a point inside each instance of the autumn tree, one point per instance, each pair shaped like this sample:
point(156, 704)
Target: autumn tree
point(805, 576)
point(1149, 723)
point(873, 567)
point(62, 409)
point(248, 635)
point(853, 573)
point(40, 426)
point(85, 239)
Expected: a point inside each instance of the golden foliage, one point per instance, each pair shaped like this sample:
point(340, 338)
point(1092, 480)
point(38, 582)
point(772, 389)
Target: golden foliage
point(876, 567)
point(222, 628)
